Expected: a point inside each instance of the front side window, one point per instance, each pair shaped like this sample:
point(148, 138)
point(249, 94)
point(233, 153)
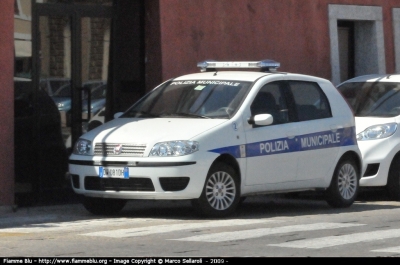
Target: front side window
point(375, 99)
point(310, 101)
point(270, 100)
point(192, 98)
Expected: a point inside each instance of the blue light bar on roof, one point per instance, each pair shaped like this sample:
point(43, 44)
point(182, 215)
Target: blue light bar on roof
point(264, 65)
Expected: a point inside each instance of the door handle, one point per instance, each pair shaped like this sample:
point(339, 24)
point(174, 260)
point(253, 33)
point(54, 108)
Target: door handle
point(335, 127)
point(291, 134)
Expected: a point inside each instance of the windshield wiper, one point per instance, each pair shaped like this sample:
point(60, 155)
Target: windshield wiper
point(140, 114)
point(184, 114)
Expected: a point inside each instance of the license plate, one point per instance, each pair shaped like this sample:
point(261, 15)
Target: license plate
point(114, 172)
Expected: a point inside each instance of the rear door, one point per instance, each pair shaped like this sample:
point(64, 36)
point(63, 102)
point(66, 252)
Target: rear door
point(318, 141)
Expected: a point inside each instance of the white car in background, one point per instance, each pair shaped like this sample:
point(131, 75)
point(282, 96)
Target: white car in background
point(219, 136)
point(375, 100)
point(97, 120)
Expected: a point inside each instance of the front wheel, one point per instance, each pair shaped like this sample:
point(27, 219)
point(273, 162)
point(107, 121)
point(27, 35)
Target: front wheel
point(102, 206)
point(221, 192)
point(344, 186)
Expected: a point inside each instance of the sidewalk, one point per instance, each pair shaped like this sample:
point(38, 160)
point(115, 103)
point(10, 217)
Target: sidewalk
point(42, 214)
point(56, 206)
point(7, 209)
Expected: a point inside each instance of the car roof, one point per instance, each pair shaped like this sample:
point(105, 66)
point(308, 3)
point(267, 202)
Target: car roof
point(222, 71)
point(55, 78)
point(250, 76)
point(228, 75)
point(374, 78)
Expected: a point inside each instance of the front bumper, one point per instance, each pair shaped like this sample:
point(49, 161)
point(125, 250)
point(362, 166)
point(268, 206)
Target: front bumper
point(377, 157)
point(159, 179)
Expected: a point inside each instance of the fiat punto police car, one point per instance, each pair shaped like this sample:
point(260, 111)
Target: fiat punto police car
point(375, 100)
point(218, 136)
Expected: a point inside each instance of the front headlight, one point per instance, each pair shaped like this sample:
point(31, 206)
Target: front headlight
point(82, 147)
point(174, 148)
point(377, 132)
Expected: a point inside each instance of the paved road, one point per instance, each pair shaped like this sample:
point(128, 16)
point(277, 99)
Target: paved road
point(265, 226)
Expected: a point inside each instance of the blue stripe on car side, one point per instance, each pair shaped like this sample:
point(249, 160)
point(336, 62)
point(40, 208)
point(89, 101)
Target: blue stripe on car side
point(307, 142)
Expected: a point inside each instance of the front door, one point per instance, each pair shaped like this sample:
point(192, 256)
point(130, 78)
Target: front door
point(270, 150)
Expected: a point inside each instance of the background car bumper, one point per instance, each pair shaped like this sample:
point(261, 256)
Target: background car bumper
point(377, 156)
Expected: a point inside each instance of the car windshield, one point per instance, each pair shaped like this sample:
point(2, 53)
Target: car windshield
point(193, 99)
point(99, 92)
point(372, 99)
point(97, 88)
point(64, 91)
point(52, 85)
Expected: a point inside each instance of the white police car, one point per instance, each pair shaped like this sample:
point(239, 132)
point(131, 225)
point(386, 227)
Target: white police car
point(375, 100)
point(218, 136)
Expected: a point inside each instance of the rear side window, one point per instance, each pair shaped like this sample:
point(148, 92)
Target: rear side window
point(310, 101)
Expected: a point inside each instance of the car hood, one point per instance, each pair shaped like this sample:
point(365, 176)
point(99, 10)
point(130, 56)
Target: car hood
point(95, 103)
point(363, 123)
point(132, 130)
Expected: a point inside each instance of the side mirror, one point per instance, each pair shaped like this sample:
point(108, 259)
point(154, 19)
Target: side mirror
point(261, 119)
point(117, 115)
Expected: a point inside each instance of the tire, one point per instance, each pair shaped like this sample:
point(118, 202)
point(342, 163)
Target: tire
point(101, 206)
point(221, 192)
point(344, 186)
point(393, 184)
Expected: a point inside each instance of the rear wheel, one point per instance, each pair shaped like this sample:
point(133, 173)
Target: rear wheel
point(344, 186)
point(102, 206)
point(393, 185)
point(221, 192)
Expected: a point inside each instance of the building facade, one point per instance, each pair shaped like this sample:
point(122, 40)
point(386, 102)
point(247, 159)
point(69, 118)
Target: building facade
point(132, 46)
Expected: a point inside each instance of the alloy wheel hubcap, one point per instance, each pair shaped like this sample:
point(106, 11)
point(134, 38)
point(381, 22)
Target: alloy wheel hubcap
point(347, 181)
point(220, 190)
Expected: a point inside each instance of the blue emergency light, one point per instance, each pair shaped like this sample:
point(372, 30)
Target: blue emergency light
point(264, 65)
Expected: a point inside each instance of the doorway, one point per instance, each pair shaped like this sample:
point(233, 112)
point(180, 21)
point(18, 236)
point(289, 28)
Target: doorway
point(72, 45)
point(346, 49)
point(70, 54)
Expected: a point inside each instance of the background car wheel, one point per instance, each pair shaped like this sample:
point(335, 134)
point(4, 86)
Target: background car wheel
point(221, 192)
point(393, 185)
point(101, 206)
point(344, 186)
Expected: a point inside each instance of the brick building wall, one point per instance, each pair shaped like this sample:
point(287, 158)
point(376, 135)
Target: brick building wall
point(6, 103)
point(293, 32)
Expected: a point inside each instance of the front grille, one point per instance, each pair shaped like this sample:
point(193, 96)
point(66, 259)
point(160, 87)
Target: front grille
point(174, 184)
point(106, 149)
point(115, 184)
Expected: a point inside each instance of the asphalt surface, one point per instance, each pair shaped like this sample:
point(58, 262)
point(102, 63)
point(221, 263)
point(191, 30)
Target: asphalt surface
point(68, 207)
